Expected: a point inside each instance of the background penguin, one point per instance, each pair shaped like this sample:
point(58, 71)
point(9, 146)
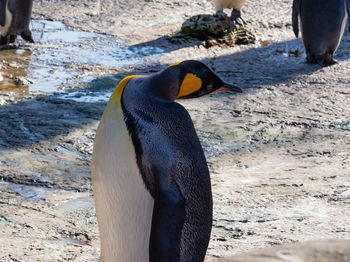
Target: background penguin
point(236, 6)
point(15, 17)
point(322, 26)
point(150, 177)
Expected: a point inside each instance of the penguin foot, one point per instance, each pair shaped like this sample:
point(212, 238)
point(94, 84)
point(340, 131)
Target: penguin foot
point(329, 62)
point(323, 60)
point(236, 17)
point(27, 35)
point(13, 39)
point(221, 13)
point(328, 59)
point(311, 60)
point(7, 47)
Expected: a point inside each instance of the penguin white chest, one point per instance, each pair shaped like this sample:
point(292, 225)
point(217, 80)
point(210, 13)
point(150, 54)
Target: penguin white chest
point(236, 4)
point(343, 25)
point(124, 206)
point(4, 29)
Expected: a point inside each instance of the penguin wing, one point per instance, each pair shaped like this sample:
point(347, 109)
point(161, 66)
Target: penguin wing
point(3, 4)
point(182, 213)
point(295, 16)
point(348, 10)
point(167, 223)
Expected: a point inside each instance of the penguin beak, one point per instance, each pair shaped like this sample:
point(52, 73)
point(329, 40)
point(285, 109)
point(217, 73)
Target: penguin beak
point(227, 88)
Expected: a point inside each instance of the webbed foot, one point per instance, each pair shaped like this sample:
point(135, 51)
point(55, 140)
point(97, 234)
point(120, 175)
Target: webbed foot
point(236, 17)
point(220, 12)
point(27, 35)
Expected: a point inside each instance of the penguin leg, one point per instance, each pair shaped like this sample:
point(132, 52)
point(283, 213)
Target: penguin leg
point(27, 35)
point(13, 39)
point(310, 58)
point(328, 59)
point(167, 222)
point(4, 41)
point(237, 18)
point(220, 12)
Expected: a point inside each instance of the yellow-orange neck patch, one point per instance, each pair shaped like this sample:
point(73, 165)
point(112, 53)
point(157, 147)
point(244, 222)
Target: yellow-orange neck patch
point(117, 93)
point(175, 64)
point(190, 85)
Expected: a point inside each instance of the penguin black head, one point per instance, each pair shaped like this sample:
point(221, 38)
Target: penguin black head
point(196, 79)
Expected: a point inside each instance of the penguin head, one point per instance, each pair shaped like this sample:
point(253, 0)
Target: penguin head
point(196, 79)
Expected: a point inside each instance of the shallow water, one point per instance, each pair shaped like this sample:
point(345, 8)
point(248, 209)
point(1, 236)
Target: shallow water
point(83, 202)
point(87, 96)
point(52, 62)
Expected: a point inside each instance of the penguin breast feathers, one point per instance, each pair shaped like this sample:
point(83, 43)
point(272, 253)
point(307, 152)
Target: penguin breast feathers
point(235, 4)
point(4, 29)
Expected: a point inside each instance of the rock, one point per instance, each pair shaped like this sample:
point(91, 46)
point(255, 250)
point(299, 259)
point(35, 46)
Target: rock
point(215, 30)
point(2, 101)
point(22, 81)
point(312, 251)
point(204, 26)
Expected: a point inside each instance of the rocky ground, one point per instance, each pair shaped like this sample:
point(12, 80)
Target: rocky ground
point(278, 153)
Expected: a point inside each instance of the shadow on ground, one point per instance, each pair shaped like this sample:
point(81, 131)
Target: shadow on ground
point(44, 117)
point(272, 64)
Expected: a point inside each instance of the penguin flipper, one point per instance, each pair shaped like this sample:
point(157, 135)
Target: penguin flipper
point(3, 4)
point(295, 16)
point(167, 222)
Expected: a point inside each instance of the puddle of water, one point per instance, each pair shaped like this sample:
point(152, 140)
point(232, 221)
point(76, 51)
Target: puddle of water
point(343, 124)
point(80, 203)
point(52, 62)
point(125, 56)
point(88, 96)
point(13, 69)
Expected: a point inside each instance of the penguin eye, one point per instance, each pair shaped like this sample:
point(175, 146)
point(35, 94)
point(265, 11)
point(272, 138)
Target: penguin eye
point(210, 86)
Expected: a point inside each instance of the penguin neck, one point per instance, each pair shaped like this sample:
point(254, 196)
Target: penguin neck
point(169, 80)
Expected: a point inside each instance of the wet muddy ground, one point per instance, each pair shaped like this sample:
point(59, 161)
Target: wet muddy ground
point(278, 154)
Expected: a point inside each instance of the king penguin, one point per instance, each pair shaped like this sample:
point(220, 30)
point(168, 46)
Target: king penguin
point(150, 178)
point(236, 6)
point(322, 26)
point(15, 17)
